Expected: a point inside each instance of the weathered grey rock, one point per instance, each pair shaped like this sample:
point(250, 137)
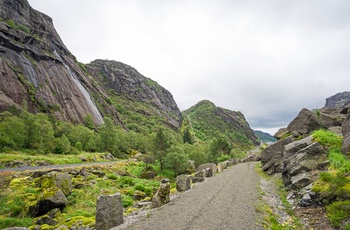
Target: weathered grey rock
point(304, 123)
point(109, 157)
point(198, 177)
point(301, 157)
point(38, 174)
point(148, 175)
point(139, 195)
point(46, 220)
point(281, 133)
point(207, 165)
point(62, 181)
point(183, 183)
point(226, 164)
point(220, 167)
point(109, 211)
point(330, 117)
point(50, 199)
point(336, 129)
point(162, 196)
point(271, 157)
point(339, 100)
point(208, 172)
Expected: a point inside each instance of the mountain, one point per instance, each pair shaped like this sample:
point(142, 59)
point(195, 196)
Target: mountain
point(39, 74)
point(209, 121)
point(339, 100)
point(265, 137)
point(140, 101)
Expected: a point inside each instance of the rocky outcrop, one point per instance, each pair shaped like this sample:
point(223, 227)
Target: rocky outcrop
point(339, 100)
point(38, 71)
point(305, 122)
point(109, 211)
point(127, 82)
point(62, 181)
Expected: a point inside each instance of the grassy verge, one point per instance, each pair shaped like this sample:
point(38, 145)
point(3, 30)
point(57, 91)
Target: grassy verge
point(273, 202)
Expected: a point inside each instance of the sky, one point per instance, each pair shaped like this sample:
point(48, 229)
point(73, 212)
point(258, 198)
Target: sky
point(265, 58)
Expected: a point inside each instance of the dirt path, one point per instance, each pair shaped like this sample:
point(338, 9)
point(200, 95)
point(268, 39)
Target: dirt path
point(225, 201)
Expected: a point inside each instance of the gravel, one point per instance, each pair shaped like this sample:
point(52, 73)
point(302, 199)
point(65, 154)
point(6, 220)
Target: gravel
point(225, 201)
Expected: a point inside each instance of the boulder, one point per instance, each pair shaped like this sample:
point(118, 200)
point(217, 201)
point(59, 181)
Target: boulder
point(304, 123)
point(271, 157)
point(63, 181)
point(190, 167)
point(220, 167)
point(46, 220)
point(183, 183)
point(208, 172)
point(281, 133)
point(148, 175)
point(198, 177)
point(329, 117)
point(139, 195)
point(162, 196)
point(108, 157)
point(50, 199)
point(109, 211)
point(336, 129)
point(207, 165)
point(300, 159)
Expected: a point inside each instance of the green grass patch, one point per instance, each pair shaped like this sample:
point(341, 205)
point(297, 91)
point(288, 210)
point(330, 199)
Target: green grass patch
point(327, 138)
point(337, 212)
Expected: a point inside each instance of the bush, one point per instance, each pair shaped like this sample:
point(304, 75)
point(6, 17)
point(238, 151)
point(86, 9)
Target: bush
point(338, 212)
point(327, 138)
point(127, 201)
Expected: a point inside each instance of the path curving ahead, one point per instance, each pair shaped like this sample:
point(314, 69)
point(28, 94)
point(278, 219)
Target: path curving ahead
point(225, 201)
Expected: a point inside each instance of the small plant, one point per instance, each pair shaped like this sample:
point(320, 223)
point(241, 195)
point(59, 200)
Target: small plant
point(338, 212)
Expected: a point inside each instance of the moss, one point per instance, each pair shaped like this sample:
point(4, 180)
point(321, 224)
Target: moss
point(77, 220)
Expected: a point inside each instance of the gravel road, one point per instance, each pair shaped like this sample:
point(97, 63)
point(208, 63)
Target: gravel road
point(225, 201)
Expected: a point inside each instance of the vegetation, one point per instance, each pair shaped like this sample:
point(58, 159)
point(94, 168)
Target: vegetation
point(334, 185)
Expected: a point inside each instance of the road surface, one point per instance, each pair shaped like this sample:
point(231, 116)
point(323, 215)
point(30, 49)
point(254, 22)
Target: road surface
point(225, 201)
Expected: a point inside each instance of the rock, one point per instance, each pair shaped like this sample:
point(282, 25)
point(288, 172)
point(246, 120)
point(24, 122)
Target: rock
point(109, 211)
point(281, 133)
point(83, 172)
point(109, 157)
point(54, 213)
point(304, 123)
point(190, 167)
point(339, 100)
point(183, 183)
point(138, 156)
point(62, 181)
point(198, 177)
point(330, 117)
point(336, 129)
point(148, 175)
point(308, 197)
point(346, 134)
point(220, 167)
point(139, 195)
point(208, 172)
point(50, 199)
point(164, 180)
point(207, 165)
point(226, 164)
point(271, 157)
point(143, 204)
point(46, 220)
point(38, 174)
point(98, 173)
point(301, 157)
point(300, 180)
point(162, 196)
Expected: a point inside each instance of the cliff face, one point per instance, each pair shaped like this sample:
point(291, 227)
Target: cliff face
point(37, 71)
point(136, 93)
point(209, 121)
point(338, 100)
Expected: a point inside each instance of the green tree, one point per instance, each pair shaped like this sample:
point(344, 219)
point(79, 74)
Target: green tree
point(161, 144)
point(108, 136)
point(219, 146)
point(198, 152)
point(176, 161)
point(12, 131)
point(187, 136)
point(61, 145)
point(89, 122)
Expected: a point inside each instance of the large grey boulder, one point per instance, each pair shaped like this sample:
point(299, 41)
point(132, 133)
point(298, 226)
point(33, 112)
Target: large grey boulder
point(207, 165)
point(271, 157)
point(330, 117)
point(305, 122)
point(162, 196)
point(50, 199)
point(281, 133)
point(109, 211)
point(300, 158)
point(198, 177)
point(183, 183)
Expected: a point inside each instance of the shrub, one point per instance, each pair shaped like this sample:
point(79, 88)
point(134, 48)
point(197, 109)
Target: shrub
point(327, 138)
point(338, 211)
point(127, 201)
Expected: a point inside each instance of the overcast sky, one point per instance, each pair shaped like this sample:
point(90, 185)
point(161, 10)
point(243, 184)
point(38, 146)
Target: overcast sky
point(265, 58)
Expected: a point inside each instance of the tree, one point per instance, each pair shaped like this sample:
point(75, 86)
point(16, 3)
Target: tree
point(161, 143)
point(177, 162)
point(61, 145)
point(108, 136)
point(187, 136)
point(12, 131)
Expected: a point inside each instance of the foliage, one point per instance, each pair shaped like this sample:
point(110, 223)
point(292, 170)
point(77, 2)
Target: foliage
point(338, 212)
point(177, 161)
point(161, 144)
point(327, 138)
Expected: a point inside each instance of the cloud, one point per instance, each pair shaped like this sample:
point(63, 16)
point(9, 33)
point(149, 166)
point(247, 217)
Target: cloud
point(267, 59)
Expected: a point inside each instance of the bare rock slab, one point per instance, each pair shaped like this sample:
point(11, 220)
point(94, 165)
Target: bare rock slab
point(109, 211)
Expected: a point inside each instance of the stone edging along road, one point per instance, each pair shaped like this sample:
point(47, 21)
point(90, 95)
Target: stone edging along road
point(225, 201)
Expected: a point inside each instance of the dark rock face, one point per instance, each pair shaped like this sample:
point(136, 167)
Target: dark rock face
point(305, 122)
point(339, 100)
point(109, 211)
point(128, 82)
point(271, 157)
point(38, 72)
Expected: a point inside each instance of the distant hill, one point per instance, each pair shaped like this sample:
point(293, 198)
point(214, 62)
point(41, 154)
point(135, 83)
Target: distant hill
point(265, 137)
point(209, 121)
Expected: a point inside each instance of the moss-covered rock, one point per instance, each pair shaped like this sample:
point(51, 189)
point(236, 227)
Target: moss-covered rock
point(62, 181)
